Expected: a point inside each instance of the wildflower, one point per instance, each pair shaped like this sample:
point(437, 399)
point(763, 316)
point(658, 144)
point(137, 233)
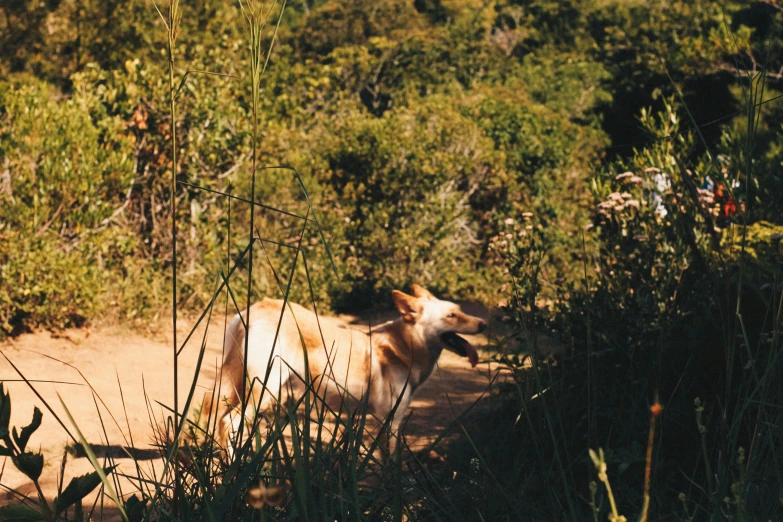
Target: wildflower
point(706, 197)
point(649, 170)
point(606, 204)
point(660, 209)
point(624, 175)
point(527, 215)
point(662, 182)
point(508, 221)
point(636, 180)
point(632, 203)
point(615, 196)
point(626, 195)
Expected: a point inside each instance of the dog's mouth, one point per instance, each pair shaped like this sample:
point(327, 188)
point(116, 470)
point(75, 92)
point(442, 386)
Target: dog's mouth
point(460, 346)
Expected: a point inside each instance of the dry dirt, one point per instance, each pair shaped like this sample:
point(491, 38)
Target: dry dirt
point(110, 369)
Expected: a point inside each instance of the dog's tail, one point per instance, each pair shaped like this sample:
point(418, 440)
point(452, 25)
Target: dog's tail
point(228, 381)
point(234, 339)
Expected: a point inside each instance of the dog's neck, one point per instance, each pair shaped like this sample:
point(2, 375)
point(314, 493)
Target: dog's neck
point(411, 345)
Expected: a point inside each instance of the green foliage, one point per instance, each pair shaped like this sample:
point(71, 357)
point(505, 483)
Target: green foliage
point(765, 155)
point(761, 245)
point(31, 464)
point(66, 172)
point(405, 204)
point(336, 24)
point(458, 159)
point(20, 513)
point(670, 283)
point(5, 419)
point(690, 38)
point(650, 230)
point(22, 438)
point(77, 489)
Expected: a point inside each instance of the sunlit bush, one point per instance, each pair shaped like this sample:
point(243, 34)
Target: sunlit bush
point(66, 167)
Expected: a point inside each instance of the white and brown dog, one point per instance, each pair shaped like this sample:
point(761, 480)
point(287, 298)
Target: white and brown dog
point(383, 366)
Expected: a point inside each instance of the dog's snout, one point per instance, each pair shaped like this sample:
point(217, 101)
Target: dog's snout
point(482, 326)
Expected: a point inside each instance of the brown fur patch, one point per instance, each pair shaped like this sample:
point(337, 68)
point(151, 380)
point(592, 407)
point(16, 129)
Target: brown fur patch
point(312, 340)
point(389, 359)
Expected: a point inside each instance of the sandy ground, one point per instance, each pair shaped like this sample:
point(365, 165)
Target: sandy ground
point(109, 369)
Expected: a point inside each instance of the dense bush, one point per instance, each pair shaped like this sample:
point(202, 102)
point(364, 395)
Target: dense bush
point(418, 129)
point(67, 170)
point(415, 138)
point(679, 303)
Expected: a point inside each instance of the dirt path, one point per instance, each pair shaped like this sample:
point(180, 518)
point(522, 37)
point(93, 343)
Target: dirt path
point(120, 366)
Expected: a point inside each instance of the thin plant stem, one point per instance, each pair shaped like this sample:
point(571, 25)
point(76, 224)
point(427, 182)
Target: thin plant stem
point(172, 26)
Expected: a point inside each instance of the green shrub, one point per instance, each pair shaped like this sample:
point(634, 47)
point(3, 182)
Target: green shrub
point(67, 168)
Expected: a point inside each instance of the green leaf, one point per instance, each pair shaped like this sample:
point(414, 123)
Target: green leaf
point(5, 412)
point(20, 513)
point(135, 508)
point(31, 464)
point(94, 461)
point(77, 489)
point(21, 440)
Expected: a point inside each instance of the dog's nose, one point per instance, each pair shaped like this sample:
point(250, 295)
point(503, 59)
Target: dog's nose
point(482, 326)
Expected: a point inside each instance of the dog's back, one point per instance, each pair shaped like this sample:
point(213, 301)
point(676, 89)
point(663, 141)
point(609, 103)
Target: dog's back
point(337, 355)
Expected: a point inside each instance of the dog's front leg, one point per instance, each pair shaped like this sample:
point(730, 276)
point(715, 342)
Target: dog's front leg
point(391, 431)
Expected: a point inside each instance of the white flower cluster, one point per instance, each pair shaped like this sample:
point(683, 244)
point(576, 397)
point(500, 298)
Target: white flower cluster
point(618, 202)
point(514, 231)
point(657, 184)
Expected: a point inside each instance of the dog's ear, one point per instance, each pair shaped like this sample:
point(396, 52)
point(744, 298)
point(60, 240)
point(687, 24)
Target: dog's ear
point(421, 292)
point(407, 305)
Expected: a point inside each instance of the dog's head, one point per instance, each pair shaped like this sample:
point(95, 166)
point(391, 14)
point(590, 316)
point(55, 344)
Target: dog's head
point(440, 319)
